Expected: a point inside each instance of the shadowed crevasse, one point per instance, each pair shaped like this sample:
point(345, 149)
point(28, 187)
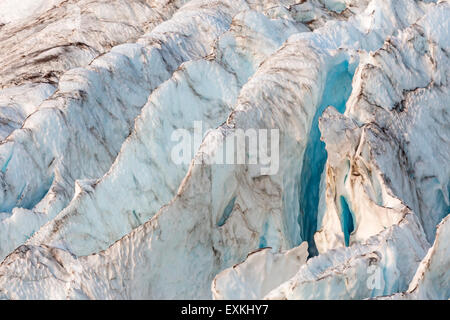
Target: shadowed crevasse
point(336, 93)
point(346, 221)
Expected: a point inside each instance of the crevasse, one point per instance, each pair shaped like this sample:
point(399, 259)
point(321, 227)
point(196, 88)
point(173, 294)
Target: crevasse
point(337, 90)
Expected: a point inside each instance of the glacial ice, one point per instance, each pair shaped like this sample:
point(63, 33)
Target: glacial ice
point(95, 124)
point(431, 280)
point(93, 207)
point(210, 90)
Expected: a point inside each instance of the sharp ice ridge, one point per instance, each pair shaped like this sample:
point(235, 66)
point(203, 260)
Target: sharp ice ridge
point(95, 207)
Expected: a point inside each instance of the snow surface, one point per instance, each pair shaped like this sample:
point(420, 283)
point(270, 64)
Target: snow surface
point(93, 207)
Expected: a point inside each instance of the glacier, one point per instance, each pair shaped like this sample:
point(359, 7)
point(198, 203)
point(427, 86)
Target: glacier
point(92, 205)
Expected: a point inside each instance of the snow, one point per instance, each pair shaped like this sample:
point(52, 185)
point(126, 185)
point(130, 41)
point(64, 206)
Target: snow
point(94, 207)
point(77, 119)
point(383, 264)
point(210, 89)
point(431, 280)
point(17, 103)
point(262, 271)
point(13, 11)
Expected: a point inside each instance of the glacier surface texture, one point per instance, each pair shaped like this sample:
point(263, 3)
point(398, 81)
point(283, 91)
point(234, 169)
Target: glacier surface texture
point(98, 99)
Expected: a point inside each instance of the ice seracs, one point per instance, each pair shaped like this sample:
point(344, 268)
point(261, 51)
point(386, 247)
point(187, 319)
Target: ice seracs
point(19, 102)
point(95, 208)
point(373, 173)
point(432, 280)
point(381, 265)
point(40, 40)
point(398, 92)
point(262, 271)
point(78, 132)
point(55, 36)
point(200, 90)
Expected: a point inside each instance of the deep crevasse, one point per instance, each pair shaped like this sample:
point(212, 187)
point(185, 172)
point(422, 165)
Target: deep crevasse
point(337, 90)
point(119, 220)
